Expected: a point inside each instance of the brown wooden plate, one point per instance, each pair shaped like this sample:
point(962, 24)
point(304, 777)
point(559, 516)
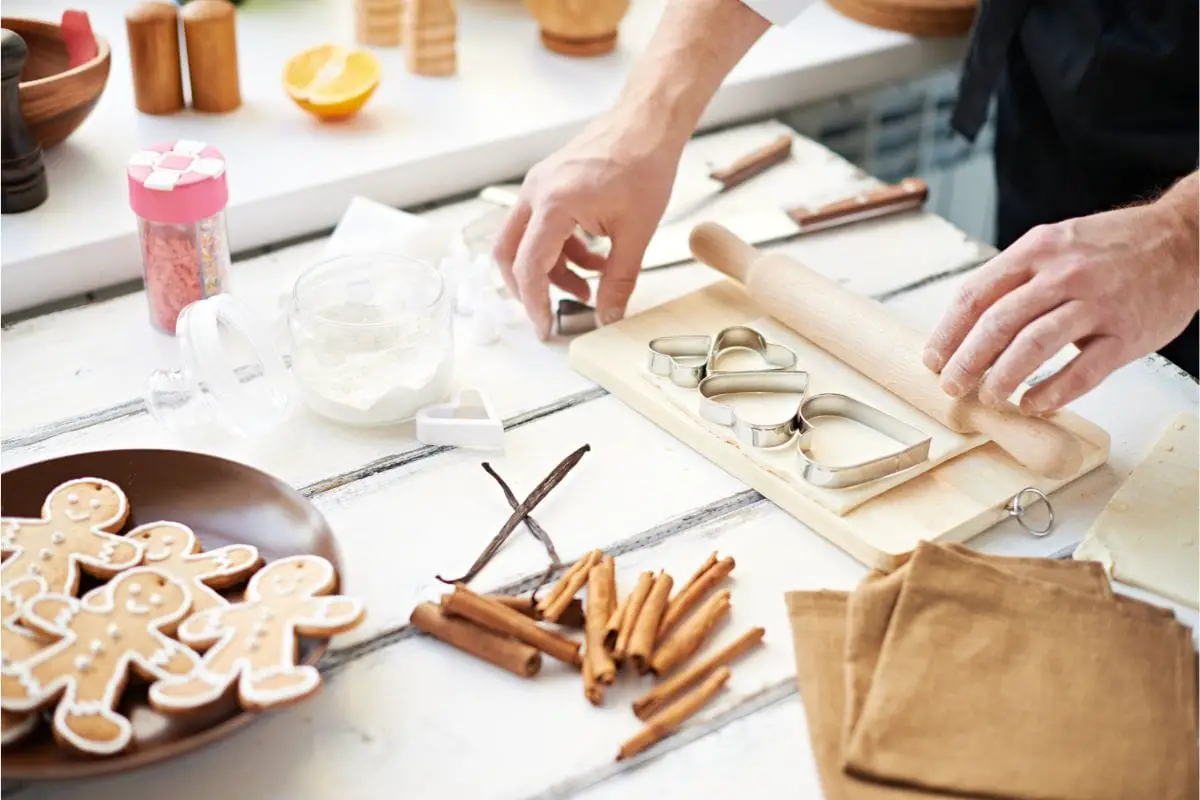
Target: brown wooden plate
point(224, 503)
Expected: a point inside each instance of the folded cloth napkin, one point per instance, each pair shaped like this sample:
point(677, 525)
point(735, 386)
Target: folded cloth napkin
point(819, 636)
point(948, 683)
point(869, 611)
point(991, 682)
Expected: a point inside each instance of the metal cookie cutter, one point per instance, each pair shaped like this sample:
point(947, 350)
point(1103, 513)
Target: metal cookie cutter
point(771, 434)
point(916, 443)
point(687, 360)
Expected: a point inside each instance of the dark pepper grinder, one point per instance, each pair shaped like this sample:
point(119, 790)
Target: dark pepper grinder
point(22, 172)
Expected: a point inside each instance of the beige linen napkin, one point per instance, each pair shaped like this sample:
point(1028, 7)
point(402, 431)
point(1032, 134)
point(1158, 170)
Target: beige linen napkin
point(870, 610)
point(991, 682)
point(819, 636)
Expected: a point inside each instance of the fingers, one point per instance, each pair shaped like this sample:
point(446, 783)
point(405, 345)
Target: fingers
point(505, 250)
point(994, 331)
point(619, 276)
point(1096, 360)
point(998, 277)
point(537, 255)
point(569, 281)
point(1032, 347)
point(577, 251)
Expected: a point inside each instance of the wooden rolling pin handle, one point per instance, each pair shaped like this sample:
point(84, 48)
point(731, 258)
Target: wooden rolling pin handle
point(720, 249)
point(864, 335)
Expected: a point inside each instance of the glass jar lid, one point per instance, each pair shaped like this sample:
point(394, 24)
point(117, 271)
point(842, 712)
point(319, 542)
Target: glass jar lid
point(231, 372)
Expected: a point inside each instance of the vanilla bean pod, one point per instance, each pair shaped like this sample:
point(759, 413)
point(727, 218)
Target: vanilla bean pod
point(536, 529)
point(520, 513)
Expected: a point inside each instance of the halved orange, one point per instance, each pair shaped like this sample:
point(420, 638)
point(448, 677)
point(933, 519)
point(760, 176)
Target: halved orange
point(332, 82)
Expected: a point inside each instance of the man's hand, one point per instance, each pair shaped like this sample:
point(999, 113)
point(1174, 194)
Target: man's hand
point(1119, 285)
point(615, 178)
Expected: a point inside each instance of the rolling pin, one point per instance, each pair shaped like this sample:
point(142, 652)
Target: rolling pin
point(866, 336)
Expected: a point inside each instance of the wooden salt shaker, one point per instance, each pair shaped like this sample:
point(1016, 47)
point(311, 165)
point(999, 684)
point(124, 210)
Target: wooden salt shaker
point(153, 32)
point(22, 171)
point(430, 30)
point(211, 39)
point(377, 23)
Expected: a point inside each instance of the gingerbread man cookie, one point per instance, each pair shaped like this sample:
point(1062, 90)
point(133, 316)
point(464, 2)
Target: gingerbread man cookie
point(253, 643)
point(124, 623)
point(173, 548)
point(17, 644)
point(75, 530)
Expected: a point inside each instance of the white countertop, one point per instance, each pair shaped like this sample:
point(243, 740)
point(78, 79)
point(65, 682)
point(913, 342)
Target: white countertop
point(418, 140)
point(404, 716)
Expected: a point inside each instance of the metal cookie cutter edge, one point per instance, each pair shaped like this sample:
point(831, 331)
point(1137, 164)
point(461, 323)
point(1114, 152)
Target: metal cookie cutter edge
point(771, 434)
point(689, 359)
point(916, 443)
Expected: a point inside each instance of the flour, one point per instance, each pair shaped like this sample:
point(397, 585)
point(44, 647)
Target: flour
point(355, 364)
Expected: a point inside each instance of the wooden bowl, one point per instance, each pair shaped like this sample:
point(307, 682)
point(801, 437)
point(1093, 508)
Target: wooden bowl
point(571, 28)
point(224, 502)
point(56, 100)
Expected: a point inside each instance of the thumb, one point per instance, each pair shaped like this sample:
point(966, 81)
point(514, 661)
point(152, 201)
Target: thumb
point(621, 271)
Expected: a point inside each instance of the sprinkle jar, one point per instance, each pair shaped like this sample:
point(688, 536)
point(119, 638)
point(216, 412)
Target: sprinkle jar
point(178, 192)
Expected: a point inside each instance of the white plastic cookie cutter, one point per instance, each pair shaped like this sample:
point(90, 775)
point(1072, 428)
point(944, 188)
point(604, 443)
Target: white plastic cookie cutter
point(467, 421)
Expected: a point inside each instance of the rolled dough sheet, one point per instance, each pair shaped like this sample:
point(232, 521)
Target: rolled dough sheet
point(1146, 535)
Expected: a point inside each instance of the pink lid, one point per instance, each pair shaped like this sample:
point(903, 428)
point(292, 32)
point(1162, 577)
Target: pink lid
point(181, 181)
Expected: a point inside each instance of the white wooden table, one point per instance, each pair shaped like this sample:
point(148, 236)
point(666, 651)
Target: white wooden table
point(403, 716)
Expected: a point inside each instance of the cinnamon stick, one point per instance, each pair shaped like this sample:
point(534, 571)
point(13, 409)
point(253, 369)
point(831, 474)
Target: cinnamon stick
point(705, 567)
point(571, 618)
point(516, 657)
point(565, 590)
point(691, 594)
point(656, 698)
point(613, 628)
point(600, 601)
point(664, 723)
point(486, 612)
point(681, 644)
point(592, 690)
point(645, 630)
point(633, 607)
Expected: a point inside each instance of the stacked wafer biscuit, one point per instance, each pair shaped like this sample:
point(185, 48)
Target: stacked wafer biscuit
point(650, 629)
point(377, 23)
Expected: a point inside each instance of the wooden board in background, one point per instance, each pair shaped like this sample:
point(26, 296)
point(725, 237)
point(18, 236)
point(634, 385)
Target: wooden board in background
point(948, 501)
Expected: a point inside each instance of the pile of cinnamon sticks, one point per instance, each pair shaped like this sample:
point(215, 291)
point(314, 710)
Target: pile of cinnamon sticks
point(649, 629)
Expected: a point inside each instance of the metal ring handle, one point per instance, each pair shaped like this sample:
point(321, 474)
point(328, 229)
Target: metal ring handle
point(1016, 508)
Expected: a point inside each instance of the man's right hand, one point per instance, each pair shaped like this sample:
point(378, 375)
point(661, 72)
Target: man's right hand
point(614, 180)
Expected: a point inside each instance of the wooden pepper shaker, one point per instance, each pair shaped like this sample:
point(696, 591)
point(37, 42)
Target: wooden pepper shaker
point(22, 172)
point(377, 22)
point(430, 30)
point(153, 32)
point(209, 31)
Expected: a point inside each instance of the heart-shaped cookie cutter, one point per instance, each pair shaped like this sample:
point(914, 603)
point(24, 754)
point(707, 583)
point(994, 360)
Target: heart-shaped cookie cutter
point(689, 359)
point(915, 442)
point(771, 434)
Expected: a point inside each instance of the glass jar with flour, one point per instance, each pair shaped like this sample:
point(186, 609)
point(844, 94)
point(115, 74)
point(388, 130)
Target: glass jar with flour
point(371, 342)
point(372, 338)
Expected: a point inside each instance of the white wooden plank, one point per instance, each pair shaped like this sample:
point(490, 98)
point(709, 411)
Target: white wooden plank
point(767, 754)
point(398, 722)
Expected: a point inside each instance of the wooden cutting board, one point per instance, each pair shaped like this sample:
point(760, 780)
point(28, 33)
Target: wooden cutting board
point(963, 488)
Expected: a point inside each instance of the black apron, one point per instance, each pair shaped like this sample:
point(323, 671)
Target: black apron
point(1098, 106)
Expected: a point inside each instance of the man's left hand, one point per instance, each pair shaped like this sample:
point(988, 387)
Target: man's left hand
point(1119, 285)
